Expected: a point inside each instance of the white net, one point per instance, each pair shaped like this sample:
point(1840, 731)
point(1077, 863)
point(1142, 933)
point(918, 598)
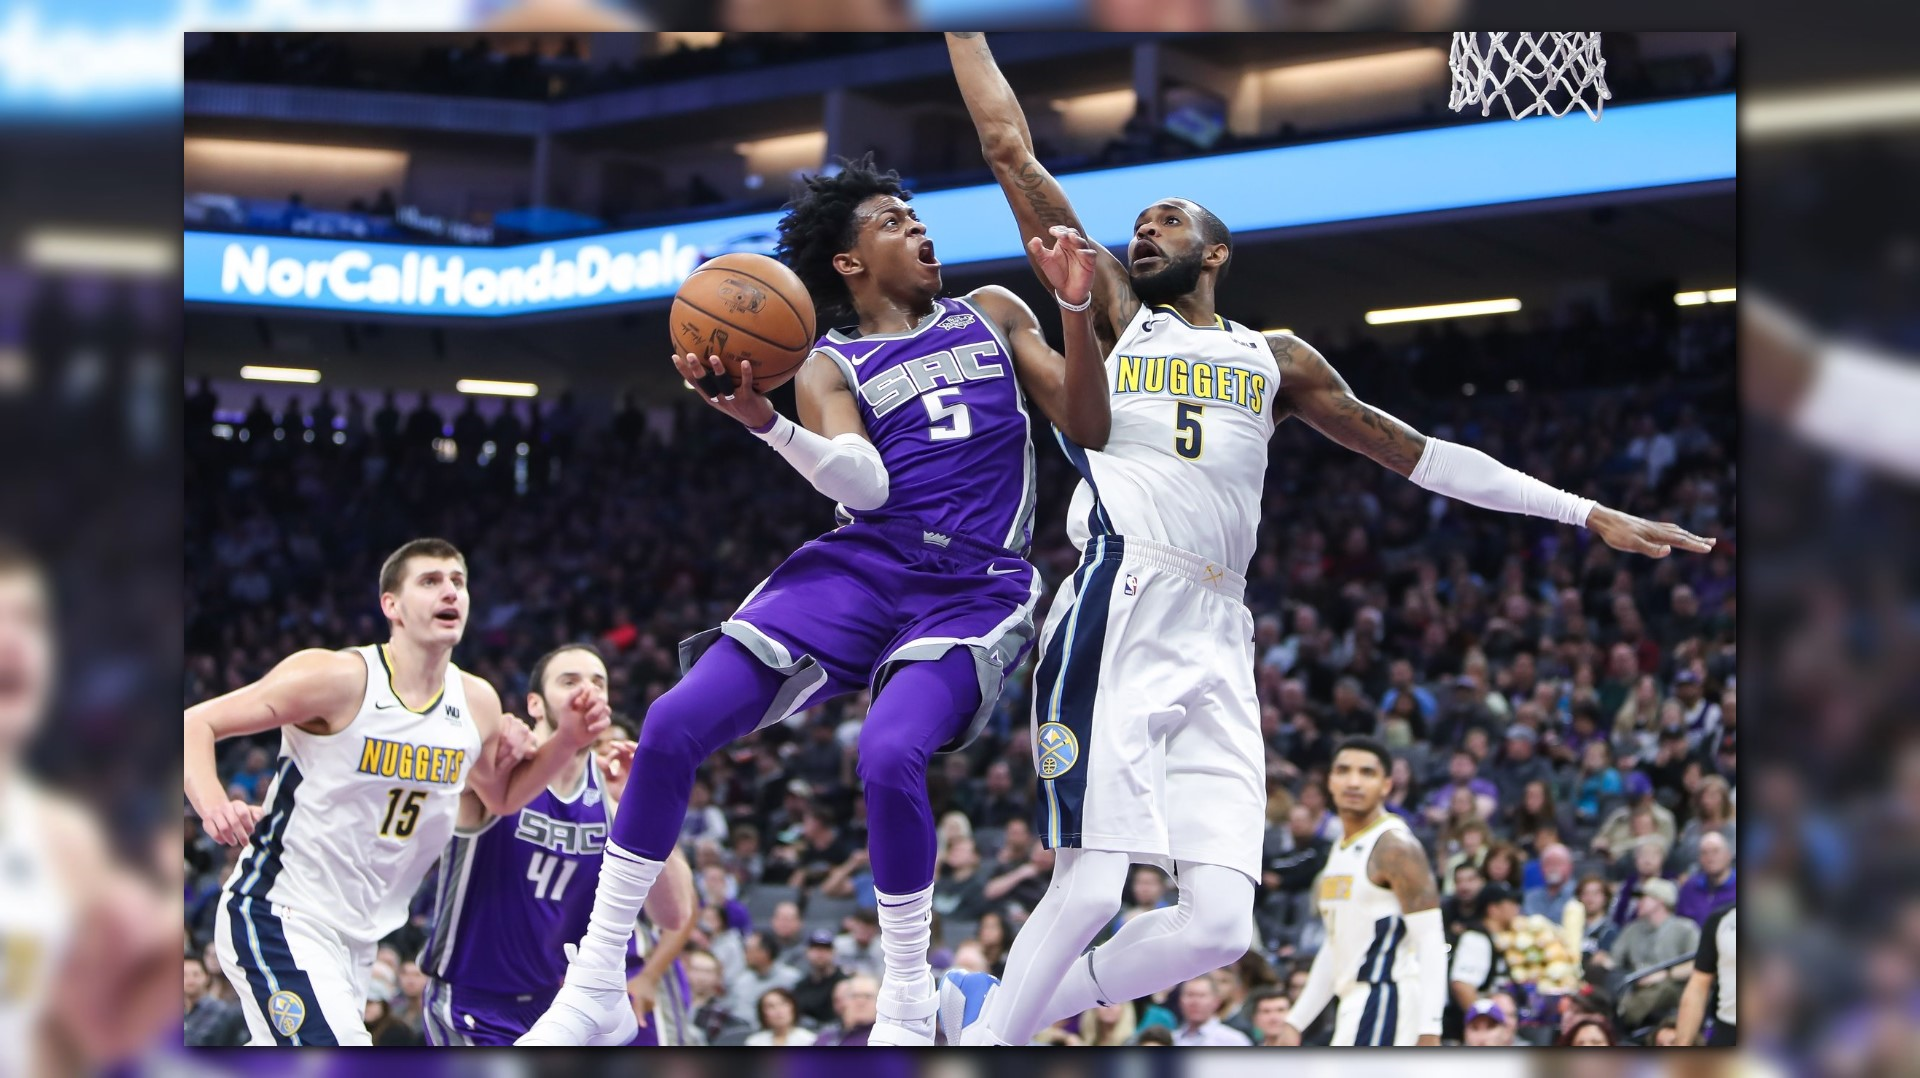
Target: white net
point(1532, 73)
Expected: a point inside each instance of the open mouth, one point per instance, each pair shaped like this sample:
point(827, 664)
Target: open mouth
point(448, 617)
point(926, 254)
point(1146, 254)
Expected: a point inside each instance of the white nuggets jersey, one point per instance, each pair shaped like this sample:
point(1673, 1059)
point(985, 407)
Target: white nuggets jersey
point(1366, 934)
point(356, 818)
point(36, 924)
point(1186, 457)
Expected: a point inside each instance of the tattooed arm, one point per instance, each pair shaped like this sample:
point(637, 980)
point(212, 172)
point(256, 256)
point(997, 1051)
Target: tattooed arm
point(1399, 863)
point(1311, 389)
point(1039, 203)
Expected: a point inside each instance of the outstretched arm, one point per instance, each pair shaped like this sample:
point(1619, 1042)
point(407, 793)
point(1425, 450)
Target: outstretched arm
point(510, 772)
point(1070, 390)
point(1311, 389)
point(1853, 401)
point(1399, 863)
point(1039, 203)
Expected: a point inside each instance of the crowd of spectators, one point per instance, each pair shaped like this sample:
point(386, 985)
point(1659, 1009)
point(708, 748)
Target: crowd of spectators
point(541, 67)
point(1563, 717)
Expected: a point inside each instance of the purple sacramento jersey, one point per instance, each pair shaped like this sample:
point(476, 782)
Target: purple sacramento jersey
point(508, 898)
point(942, 563)
point(945, 411)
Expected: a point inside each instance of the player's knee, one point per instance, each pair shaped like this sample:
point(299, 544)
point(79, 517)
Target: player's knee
point(1219, 932)
point(891, 763)
point(669, 737)
point(1090, 906)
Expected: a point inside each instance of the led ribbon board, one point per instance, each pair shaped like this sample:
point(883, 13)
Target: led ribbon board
point(1482, 164)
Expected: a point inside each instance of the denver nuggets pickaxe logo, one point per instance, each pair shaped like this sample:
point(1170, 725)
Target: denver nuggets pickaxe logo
point(287, 1013)
point(1059, 750)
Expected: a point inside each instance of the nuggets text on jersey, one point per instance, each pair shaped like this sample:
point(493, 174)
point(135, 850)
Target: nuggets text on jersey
point(411, 763)
point(1177, 376)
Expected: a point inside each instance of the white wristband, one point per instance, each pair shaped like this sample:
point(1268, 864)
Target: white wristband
point(1065, 306)
point(1862, 405)
point(1471, 476)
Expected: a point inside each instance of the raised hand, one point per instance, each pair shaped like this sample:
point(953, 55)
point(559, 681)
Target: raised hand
point(515, 743)
point(616, 764)
point(231, 822)
point(1634, 535)
point(743, 402)
point(1067, 263)
point(582, 719)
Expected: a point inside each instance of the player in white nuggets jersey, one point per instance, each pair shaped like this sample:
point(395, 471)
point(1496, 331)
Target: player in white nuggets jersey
point(1146, 719)
point(86, 948)
point(1385, 958)
point(377, 744)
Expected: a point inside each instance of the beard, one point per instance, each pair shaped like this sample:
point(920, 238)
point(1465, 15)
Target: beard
point(1168, 283)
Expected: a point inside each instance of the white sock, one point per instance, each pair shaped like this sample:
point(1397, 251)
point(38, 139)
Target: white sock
point(625, 879)
point(1082, 898)
point(906, 932)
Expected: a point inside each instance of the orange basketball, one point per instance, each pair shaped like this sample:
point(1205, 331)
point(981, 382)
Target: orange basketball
point(745, 307)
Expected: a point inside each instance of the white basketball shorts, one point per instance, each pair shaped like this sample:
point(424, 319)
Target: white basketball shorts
point(299, 981)
point(1378, 1015)
point(1146, 721)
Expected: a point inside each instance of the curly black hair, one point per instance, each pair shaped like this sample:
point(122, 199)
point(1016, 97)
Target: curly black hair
point(819, 224)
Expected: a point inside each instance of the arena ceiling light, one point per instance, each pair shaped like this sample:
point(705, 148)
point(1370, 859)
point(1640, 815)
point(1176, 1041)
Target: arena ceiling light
point(1838, 110)
point(1442, 310)
point(1697, 298)
point(280, 374)
point(134, 253)
point(488, 388)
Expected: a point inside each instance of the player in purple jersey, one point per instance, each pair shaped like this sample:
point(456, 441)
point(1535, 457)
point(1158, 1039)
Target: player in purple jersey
point(513, 890)
point(913, 419)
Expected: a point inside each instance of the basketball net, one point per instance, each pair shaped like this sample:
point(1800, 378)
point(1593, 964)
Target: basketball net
point(1531, 73)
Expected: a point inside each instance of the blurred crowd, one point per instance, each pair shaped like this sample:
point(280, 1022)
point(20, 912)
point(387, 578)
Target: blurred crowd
point(529, 67)
point(1564, 717)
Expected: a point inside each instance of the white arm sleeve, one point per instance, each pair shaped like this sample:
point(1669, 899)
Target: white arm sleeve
point(1319, 989)
point(847, 469)
point(1472, 959)
point(1430, 947)
point(1861, 405)
point(1471, 476)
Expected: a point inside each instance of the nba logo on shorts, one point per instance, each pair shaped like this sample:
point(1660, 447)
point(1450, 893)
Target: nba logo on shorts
point(1059, 750)
point(1133, 584)
point(286, 1012)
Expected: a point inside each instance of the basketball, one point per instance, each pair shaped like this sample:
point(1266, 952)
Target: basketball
point(745, 307)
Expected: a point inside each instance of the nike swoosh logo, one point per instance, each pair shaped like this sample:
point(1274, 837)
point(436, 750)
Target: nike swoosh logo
point(856, 361)
point(995, 571)
point(384, 707)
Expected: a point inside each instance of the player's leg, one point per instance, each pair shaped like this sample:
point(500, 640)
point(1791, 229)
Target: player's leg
point(1082, 899)
point(1215, 795)
point(1212, 926)
point(922, 706)
point(1109, 677)
point(724, 696)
